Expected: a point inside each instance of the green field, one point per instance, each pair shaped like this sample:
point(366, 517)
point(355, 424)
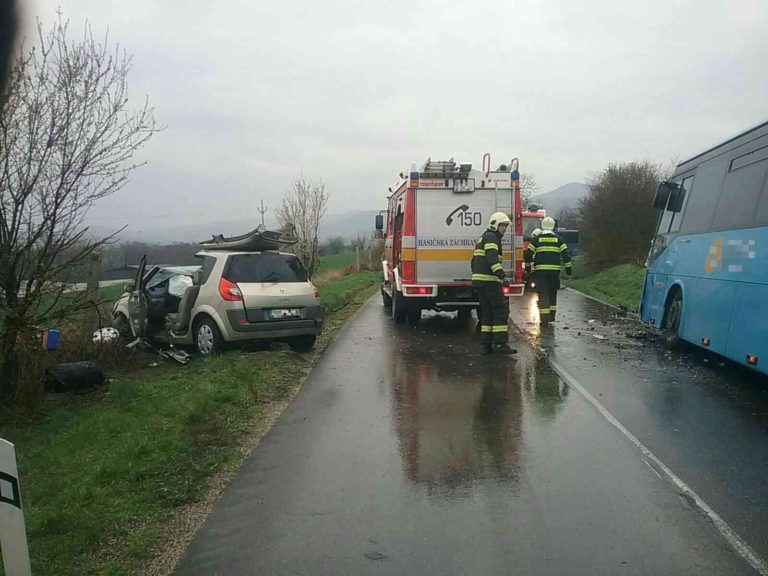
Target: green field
point(340, 261)
point(621, 285)
point(101, 474)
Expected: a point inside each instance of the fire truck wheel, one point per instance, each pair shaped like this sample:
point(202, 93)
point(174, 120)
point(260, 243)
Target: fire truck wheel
point(414, 316)
point(386, 298)
point(398, 308)
point(465, 313)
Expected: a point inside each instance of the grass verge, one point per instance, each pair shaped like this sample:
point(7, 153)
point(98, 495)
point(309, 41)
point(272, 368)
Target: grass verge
point(339, 261)
point(103, 475)
point(621, 285)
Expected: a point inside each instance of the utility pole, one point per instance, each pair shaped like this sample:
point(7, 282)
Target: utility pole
point(262, 210)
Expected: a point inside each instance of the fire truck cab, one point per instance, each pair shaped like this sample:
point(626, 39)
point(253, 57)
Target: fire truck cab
point(532, 217)
point(435, 216)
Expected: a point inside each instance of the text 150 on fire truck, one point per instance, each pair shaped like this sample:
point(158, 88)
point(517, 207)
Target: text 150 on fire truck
point(434, 217)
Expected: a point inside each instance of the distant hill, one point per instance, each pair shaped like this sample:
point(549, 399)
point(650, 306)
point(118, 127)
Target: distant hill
point(565, 196)
point(347, 225)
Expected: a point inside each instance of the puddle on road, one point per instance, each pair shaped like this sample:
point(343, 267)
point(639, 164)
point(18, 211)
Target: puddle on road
point(459, 416)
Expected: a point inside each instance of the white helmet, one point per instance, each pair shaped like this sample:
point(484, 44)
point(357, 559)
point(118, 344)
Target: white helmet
point(548, 224)
point(497, 219)
point(536, 232)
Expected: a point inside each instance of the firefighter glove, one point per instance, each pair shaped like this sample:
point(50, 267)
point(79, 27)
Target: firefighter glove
point(505, 282)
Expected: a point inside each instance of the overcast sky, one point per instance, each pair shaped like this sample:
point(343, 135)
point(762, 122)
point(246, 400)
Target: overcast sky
point(253, 92)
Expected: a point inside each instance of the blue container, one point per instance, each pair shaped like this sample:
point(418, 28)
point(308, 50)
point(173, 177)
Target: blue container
point(52, 339)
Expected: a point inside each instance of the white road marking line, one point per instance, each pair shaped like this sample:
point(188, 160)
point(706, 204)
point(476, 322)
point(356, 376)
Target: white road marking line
point(736, 541)
point(652, 468)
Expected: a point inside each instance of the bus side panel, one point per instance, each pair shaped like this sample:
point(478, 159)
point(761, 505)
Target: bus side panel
point(707, 308)
point(748, 330)
point(654, 299)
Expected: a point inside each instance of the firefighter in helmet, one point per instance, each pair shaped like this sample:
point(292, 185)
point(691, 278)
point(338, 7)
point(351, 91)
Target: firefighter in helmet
point(544, 254)
point(488, 279)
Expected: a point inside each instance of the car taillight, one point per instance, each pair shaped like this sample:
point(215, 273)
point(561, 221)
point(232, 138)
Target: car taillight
point(419, 290)
point(315, 290)
point(229, 291)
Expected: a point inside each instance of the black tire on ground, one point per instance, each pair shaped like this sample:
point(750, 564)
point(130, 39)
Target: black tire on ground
point(670, 332)
point(208, 340)
point(121, 324)
point(398, 307)
point(386, 298)
point(302, 343)
point(414, 315)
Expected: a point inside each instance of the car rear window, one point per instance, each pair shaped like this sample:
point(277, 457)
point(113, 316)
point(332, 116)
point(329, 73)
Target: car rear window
point(265, 267)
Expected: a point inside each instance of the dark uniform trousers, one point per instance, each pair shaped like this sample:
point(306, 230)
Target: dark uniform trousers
point(494, 311)
point(547, 285)
point(545, 254)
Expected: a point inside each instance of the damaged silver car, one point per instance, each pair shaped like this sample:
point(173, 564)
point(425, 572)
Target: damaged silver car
point(233, 296)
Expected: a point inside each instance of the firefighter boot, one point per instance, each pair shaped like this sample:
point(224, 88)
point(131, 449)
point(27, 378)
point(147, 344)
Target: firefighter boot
point(487, 350)
point(503, 349)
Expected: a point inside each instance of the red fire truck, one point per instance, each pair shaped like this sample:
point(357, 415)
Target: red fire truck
point(532, 217)
point(435, 215)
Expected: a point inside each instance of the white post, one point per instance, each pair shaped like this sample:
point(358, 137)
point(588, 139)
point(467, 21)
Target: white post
point(13, 534)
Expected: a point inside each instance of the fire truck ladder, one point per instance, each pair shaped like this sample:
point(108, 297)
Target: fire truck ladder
point(439, 169)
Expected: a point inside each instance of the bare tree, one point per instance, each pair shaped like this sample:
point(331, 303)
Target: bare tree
point(528, 188)
point(304, 208)
point(67, 137)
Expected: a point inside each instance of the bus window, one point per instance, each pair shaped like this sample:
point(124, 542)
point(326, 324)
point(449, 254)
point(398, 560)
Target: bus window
point(701, 206)
point(741, 192)
point(761, 216)
point(687, 186)
point(666, 220)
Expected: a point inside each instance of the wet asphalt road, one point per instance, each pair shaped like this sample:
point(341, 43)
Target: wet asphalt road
point(407, 453)
point(705, 418)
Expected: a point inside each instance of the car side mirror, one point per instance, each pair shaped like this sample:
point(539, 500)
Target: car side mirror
point(379, 222)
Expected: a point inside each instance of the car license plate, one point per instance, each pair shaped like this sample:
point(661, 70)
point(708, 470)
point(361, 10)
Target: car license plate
point(279, 313)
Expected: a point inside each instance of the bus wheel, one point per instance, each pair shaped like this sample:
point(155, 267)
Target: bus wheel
point(398, 307)
point(671, 332)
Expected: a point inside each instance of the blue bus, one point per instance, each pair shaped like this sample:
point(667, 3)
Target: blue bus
point(707, 279)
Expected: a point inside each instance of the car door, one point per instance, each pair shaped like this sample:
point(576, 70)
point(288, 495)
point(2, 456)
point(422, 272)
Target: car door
point(137, 303)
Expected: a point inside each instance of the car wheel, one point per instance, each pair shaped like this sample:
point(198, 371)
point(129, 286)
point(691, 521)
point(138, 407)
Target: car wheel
point(207, 337)
point(386, 298)
point(413, 315)
point(674, 312)
point(398, 308)
point(121, 324)
point(302, 343)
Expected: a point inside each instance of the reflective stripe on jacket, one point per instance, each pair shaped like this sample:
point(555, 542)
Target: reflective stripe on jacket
point(546, 251)
point(486, 260)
